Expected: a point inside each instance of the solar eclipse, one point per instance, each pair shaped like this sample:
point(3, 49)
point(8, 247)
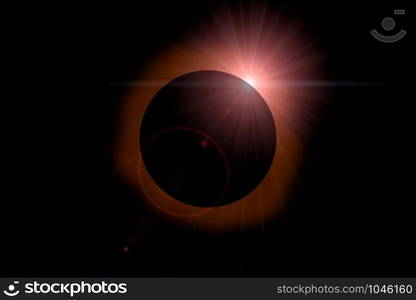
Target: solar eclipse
point(208, 138)
point(213, 128)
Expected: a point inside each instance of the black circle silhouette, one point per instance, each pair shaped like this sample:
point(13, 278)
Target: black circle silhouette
point(207, 138)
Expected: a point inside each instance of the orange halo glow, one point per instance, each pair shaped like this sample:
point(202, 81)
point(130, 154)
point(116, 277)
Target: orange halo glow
point(269, 53)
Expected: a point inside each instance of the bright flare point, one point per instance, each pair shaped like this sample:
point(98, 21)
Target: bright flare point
point(250, 81)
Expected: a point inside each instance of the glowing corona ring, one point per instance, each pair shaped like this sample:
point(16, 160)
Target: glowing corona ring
point(272, 55)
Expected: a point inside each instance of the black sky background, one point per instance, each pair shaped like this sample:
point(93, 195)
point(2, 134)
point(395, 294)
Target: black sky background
point(70, 214)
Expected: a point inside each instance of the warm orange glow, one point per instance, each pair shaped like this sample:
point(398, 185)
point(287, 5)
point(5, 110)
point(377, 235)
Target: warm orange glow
point(269, 51)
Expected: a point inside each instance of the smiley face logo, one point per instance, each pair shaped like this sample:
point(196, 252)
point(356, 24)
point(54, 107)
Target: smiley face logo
point(389, 24)
point(11, 290)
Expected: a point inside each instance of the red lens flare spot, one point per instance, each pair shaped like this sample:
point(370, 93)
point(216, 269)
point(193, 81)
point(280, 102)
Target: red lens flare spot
point(204, 144)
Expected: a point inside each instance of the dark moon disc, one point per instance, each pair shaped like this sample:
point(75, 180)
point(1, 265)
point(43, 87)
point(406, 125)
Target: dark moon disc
point(208, 138)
